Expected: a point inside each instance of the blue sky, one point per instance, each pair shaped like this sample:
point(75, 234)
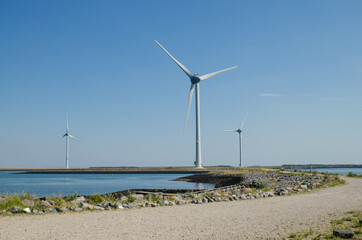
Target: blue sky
point(299, 77)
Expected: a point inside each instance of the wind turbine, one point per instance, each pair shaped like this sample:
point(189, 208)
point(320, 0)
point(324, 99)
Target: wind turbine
point(239, 130)
point(67, 135)
point(195, 80)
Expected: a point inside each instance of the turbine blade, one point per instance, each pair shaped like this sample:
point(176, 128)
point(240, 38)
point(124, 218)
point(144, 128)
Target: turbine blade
point(214, 73)
point(74, 138)
point(177, 62)
point(189, 105)
point(67, 124)
point(230, 130)
point(242, 124)
point(242, 139)
point(60, 138)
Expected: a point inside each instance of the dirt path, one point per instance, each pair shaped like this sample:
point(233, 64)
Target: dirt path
point(249, 219)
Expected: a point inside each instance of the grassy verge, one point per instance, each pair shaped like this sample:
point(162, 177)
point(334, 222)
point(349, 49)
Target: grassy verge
point(350, 220)
point(350, 174)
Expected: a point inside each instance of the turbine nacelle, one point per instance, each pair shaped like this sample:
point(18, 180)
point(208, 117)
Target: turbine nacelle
point(239, 131)
point(195, 78)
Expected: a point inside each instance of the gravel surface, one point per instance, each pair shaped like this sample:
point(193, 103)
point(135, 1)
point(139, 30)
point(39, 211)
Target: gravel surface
point(265, 218)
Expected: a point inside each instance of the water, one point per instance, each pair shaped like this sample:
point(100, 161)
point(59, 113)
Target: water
point(334, 170)
point(88, 184)
point(339, 170)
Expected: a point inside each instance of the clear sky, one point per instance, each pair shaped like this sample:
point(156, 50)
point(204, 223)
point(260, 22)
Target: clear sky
point(299, 77)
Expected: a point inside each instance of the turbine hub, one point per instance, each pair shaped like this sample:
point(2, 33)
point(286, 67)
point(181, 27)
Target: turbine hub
point(239, 131)
point(195, 79)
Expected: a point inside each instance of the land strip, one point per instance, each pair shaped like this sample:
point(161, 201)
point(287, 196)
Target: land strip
point(251, 219)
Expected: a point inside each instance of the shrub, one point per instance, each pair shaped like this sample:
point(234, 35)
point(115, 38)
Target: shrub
point(95, 199)
point(132, 198)
point(71, 197)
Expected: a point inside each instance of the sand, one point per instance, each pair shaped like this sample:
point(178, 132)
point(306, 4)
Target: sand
point(275, 217)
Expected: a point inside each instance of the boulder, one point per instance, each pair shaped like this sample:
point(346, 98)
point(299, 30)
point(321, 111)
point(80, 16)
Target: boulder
point(3, 200)
point(343, 233)
point(15, 209)
point(64, 209)
point(77, 209)
point(109, 208)
point(304, 187)
point(215, 194)
point(35, 211)
point(79, 199)
point(123, 199)
point(45, 203)
point(84, 205)
point(119, 205)
point(98, 208)
point(125, 205)
point(180, 202)
point(28, 202)
point(153, 205)
point(360, 222)
point(27, 210)
point(166, 202)
point(172, 203)
point(137, 197)
point(106, 204)
point(243, 197)
point(52, 210)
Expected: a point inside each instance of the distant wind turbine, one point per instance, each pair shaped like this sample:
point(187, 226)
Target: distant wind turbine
point(67, 135)
point(240, 130)
point(195, 79)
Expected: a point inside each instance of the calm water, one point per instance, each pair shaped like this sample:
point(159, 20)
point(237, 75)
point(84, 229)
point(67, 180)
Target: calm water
point(335, 170)
point(339, 170)
point(87, 184)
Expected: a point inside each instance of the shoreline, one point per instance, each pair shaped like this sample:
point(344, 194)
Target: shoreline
point(228, 187)
point(274, 218)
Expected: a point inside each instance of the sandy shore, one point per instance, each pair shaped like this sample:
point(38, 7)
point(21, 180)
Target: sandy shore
point(249, 219)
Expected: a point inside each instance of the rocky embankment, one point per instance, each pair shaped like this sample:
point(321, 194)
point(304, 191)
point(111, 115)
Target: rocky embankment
point(251, 185)
point(277, 182)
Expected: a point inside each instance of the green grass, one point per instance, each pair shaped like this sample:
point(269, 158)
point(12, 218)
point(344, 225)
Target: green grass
point(349, 220)
point(350, 174)
point(71, 197)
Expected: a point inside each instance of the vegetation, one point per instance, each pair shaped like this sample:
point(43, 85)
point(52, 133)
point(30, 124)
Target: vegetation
point(227, 177)
point(96, 199)
point(350, 174)
point(350, 220)
point(71, 197)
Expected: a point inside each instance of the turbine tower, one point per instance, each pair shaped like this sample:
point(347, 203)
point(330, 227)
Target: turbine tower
point(195, 80)
point(239, 130)
point(67, 135)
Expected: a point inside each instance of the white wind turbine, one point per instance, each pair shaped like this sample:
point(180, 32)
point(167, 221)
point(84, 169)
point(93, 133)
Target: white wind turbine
point(240, 130)
point(195, 79)
point(67, 135)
